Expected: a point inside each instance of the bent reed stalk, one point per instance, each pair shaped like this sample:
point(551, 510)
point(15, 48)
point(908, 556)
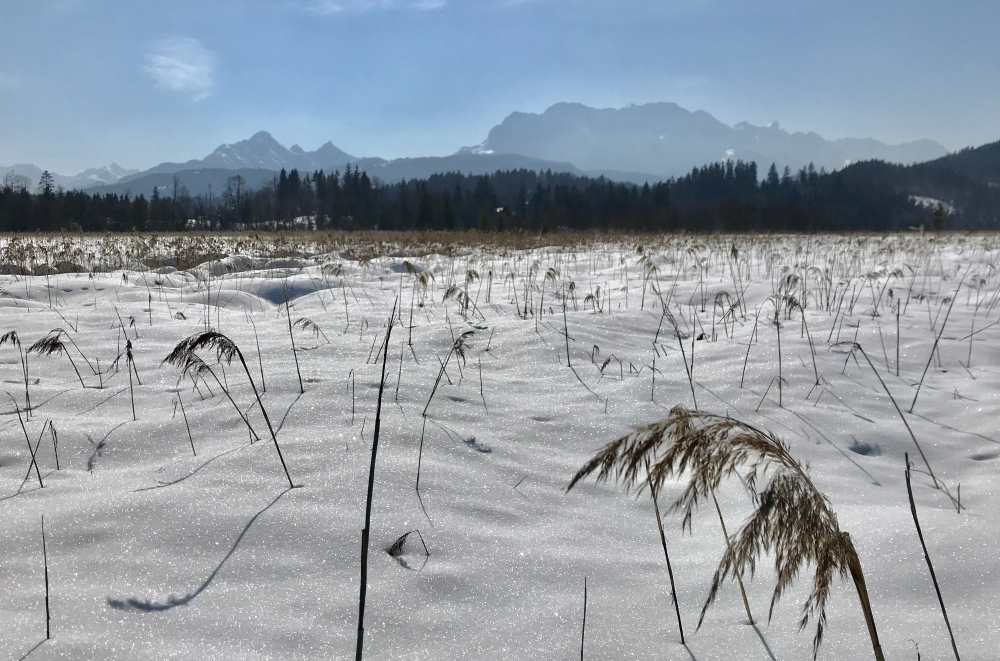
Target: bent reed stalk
point(792, 518)
point(225, 350)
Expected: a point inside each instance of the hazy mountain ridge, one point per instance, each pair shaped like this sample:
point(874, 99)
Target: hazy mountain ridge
point(665, 139)
point(636, 144)
point(259, 158)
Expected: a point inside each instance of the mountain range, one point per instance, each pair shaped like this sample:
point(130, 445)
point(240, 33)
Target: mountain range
point(106, 174)
point(259, 158)
point(637, 143)
point(665, 140)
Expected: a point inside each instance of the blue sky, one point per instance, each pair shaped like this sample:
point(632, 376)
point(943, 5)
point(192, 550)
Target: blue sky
point(84, 82)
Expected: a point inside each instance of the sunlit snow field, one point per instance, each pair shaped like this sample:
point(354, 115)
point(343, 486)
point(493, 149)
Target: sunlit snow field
point(155, 552)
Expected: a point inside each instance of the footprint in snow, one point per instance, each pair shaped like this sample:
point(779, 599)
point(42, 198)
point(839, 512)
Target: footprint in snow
point(864, 448)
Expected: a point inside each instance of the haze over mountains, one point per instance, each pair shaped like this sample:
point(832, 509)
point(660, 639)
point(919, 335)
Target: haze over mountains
point(636, 143)
point(258, 158)
point(664, 139)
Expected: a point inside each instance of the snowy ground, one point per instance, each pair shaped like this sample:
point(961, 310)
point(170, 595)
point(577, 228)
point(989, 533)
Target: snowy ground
point(157, 553)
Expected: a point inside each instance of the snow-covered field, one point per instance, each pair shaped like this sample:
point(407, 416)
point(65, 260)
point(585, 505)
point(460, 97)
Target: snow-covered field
point(155, 552)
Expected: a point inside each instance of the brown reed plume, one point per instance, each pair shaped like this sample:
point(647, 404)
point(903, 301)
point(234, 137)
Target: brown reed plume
point(792, 519)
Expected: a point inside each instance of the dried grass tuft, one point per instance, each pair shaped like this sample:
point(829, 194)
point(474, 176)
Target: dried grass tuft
point(224, 348)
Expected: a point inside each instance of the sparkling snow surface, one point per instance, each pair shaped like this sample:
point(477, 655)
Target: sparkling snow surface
point(155, 553)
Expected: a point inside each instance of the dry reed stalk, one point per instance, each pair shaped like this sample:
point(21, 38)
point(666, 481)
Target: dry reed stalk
point(722, 521)
point(129, 368)
point(777, 330)
point(186, 425)
point(749, 344)
point(196, 368)
point(399, 373)
point(184, 356)
point(666, 555)
point(902, 417)
point(31, 452)
point(52, 344)
point(260, 361)
point(812, 349)
point(565, 328)
point(45, 564)
point(365, 532)
point(55, 443)
point(927, 557)
point(482, 395)
point(937, 340)
point(13, 338)
point(457, 348)
point(792, 517)
point(291, 338)
point(729, 548)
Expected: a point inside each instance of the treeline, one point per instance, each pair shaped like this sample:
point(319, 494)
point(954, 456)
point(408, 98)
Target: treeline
point(718, 197)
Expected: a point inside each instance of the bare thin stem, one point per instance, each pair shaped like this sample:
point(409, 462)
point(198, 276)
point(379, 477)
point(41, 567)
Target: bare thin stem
point(363, 589)
point(27, 440)
point(666, 555)
point(295, 355)
point(739, 579)
point(188, 426)
point(45, 563)
point(900, 412)
point(927, 557)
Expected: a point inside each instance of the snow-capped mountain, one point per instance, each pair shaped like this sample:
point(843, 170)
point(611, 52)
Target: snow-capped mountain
point(104, 175)
point(107, 174)
point(262, 152)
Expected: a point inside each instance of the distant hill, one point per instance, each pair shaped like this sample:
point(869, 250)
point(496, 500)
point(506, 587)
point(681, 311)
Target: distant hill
point(107, 174)
point(978, 163)
point(966, 183)
point(665, 140)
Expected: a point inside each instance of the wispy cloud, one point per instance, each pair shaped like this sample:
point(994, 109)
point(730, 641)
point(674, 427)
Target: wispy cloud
point(428, 5)
point(183, 66)
point(347, 7)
